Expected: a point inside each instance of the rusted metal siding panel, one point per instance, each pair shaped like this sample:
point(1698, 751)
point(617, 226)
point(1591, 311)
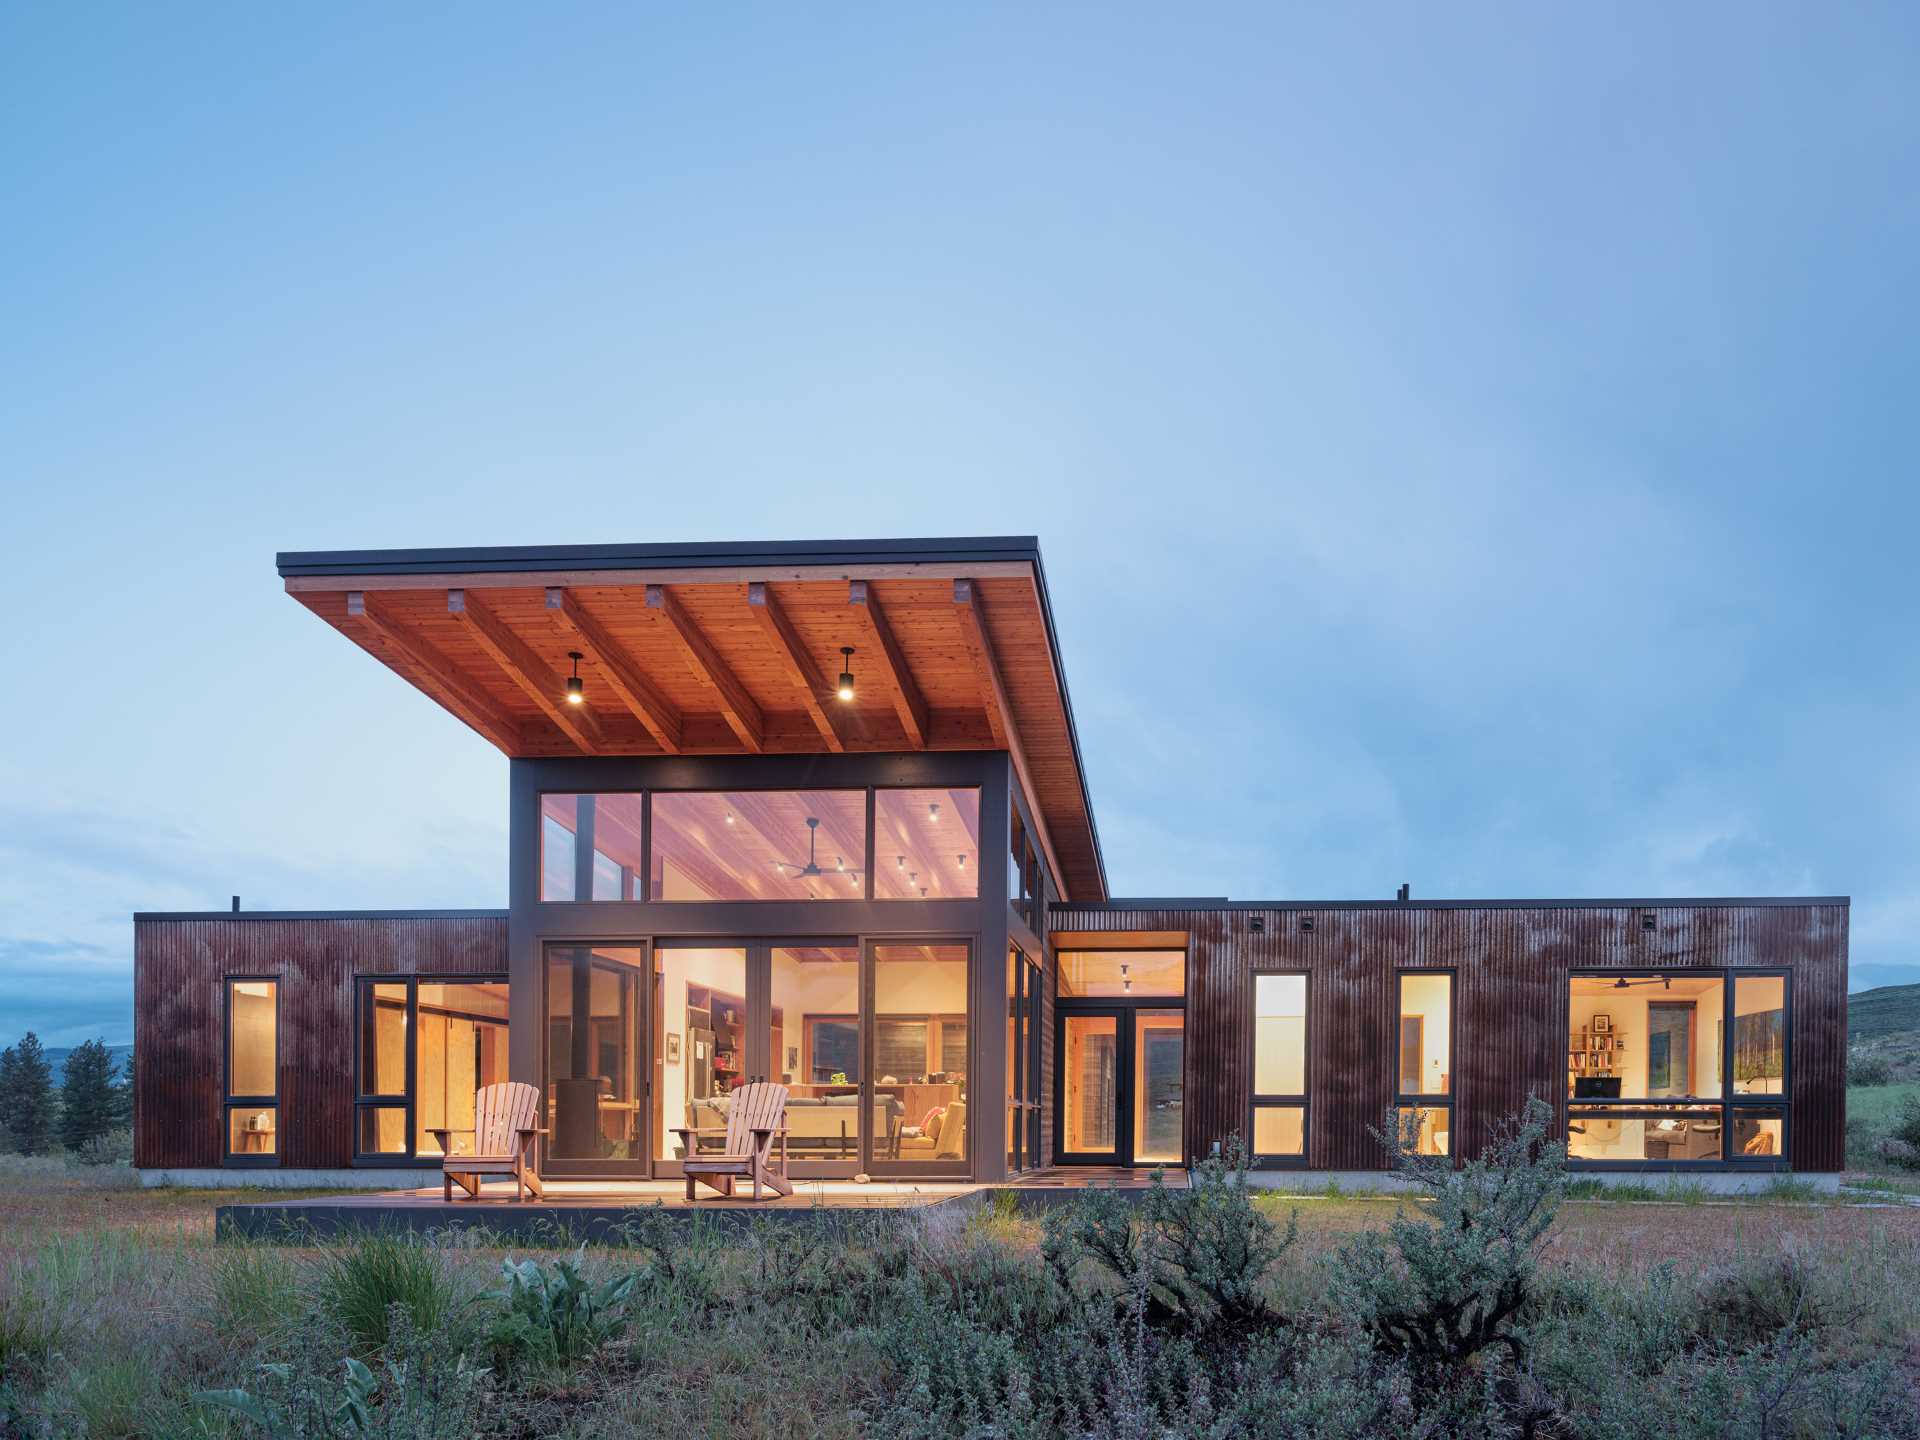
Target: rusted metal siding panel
point(1511, 965)
point(180, 968)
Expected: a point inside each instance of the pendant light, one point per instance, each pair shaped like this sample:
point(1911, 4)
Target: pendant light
point(1126, 981)
point(845, 690)
point(576, 688)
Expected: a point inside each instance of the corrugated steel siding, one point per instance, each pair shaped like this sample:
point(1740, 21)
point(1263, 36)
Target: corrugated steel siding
point(1512, 966)
point(179, 969)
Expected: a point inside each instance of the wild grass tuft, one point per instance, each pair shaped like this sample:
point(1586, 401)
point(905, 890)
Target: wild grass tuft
point(362, 1279)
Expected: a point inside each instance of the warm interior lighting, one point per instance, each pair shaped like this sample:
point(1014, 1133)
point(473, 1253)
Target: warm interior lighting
point(846, 673)
point(576, 690)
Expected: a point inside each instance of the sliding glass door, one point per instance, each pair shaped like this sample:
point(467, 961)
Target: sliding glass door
point(645, 1045)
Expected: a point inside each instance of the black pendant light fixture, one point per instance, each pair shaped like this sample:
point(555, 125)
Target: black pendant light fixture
point(845, 690)
point(576, 688)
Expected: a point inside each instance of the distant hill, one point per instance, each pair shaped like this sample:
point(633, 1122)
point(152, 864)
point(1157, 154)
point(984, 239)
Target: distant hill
point(1886, 1011)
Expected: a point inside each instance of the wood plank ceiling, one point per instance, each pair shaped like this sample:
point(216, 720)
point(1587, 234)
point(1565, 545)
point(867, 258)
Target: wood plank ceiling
point(740, 663)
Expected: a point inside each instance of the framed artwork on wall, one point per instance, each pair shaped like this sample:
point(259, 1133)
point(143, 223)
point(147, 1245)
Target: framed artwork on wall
point(1602, 1024)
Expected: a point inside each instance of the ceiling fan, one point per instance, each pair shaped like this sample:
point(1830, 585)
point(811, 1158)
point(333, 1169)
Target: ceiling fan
point(1625, 984)
point(813, 868)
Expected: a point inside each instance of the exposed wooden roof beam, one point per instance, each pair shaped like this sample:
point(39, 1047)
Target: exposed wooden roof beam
point(436, 674)
point(627, 681)
point(901, 689)
point(742, 714)
point(798, 662)
point(973, 629)
point(526, 669)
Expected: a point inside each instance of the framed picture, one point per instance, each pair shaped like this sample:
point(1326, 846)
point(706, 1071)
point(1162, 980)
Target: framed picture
point(673, 1048)
point(1602, 1024)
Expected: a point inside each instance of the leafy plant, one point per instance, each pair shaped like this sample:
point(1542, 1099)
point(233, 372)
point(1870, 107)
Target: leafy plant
point(556, 1315)
point(425, 1389)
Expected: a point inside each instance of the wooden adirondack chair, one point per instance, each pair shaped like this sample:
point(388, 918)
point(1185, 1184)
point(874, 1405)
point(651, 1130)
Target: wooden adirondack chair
point(756, 1113)
point(505, 1120)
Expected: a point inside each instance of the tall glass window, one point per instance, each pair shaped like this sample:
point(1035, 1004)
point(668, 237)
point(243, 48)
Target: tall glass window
point(253, 1072)
point(927, 843)
point(1424, 1060)
point(426, 1048)
point(759, 845)
point(920, 1004)
point(1279, 1126)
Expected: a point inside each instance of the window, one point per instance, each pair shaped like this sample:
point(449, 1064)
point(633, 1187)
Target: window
point(1424, 1060)
point(1677, 1066)
point(1279, 1128)
point(1760, 1035)
point(253, 1072)
point(927, 844)
point(759, 845)
point(920, 1058)
point(601, 832)
point(1122, 973)
point(427, 1046)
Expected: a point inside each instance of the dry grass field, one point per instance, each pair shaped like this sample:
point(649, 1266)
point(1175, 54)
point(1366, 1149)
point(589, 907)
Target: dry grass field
point(120, 1316)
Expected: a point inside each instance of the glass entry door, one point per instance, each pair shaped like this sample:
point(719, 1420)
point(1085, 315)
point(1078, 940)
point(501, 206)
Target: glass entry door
point(596, 1079)
point(1122, 1085)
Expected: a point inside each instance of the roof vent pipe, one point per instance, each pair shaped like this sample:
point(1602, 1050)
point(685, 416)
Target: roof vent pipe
point(1406, 894)
point(236, 904)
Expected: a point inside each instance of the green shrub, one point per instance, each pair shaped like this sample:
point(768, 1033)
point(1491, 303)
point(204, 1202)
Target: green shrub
point(1749, 1304)
point(554, 1316)
point(363, 1280)
point(1445, 1285)
point(425, 1388)
point(1205, 1251)
point(1864, 1067)
point(115, 1147)
point(1902, 1146)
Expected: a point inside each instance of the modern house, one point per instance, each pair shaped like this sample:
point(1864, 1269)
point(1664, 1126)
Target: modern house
point(817, 812)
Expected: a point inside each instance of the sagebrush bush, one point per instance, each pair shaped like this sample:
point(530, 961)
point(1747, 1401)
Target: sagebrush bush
point(1447, 1283)
point(1864, 1067)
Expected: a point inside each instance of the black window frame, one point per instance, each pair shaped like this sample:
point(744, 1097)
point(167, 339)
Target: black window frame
point(641, 880)
point(1264, 1101)
point(1422, 1100)
point(229, 1101)
point(406, 1101)
point(1023, 1097)
point(1730, 1105)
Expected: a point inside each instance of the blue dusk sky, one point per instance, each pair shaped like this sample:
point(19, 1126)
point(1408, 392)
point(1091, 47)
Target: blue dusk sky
point(1471, 445)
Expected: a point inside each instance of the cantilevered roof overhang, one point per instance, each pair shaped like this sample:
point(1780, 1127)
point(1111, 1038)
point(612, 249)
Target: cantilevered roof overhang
point(733, 649)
